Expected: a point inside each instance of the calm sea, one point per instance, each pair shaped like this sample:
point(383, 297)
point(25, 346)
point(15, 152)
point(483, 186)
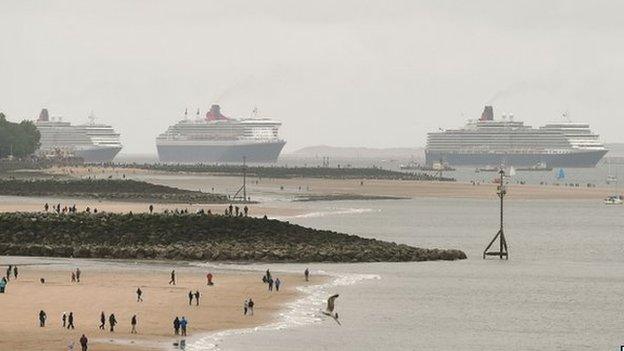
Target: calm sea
point(561, 289)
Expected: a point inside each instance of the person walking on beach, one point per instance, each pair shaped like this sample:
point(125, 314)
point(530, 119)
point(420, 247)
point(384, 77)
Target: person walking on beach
point(250, 306)
point(102, 321)
point(172, 280)
point(196, 298)
point(277, 284)
point(73, 277)
point(83, 342)
point(245, 307)
point(270, 284)
point(306, 273)
point(15, 272)
point(268, 275)
point(70, 321)
point(151, 208)
point(190, 295)
point(133, 322)
point(139, 293)
point(246, 210)
point(209, 278)
point(64, 319)
point(112, 321)
point(176, 326)
point(78, 272)
point(8, 273)
point(42, 318)
point(46, 207)
point(3, 284)
point(183, 324)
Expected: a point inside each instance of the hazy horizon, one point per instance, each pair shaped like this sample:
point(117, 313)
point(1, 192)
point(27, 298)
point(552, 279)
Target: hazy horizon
point(341, 74)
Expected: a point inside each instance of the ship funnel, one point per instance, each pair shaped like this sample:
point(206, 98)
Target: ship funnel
point(488, 114)
point(215, 114)
point(43, 115)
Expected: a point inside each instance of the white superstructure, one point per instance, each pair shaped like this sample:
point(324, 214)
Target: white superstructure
point(216, 138)
point(94, 142)
point(487, 141)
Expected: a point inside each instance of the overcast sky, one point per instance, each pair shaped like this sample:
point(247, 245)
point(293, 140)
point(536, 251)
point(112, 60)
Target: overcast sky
point(343, 73)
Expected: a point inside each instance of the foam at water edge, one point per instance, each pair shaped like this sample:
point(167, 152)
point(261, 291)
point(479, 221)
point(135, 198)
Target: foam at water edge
point(302, 311)
point(332, 212)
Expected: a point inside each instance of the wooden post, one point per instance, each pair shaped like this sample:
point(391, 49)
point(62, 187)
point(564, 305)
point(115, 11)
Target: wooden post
point(502, 250)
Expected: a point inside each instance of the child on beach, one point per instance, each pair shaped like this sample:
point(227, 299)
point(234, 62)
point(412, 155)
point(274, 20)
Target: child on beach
point(277, 284)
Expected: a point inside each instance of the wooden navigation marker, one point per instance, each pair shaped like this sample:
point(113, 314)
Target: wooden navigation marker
point(502, 247)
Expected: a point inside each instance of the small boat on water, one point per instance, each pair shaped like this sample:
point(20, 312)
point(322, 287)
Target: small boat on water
point(488, 169)
point(538, 167)
point(614, 200)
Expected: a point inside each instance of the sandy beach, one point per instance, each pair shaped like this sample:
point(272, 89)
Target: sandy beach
point(112, 288)
point(316, 186)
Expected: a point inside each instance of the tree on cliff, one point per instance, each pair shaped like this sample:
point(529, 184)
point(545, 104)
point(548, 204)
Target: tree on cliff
point(18, 139)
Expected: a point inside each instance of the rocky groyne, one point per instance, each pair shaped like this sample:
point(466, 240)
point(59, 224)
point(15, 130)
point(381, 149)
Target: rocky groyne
point(283, 172)
point(194, 237)
point(106, 189)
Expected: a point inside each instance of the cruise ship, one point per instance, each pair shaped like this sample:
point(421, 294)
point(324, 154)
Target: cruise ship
point(215, 138)
point(487, 141)
point(93, 142)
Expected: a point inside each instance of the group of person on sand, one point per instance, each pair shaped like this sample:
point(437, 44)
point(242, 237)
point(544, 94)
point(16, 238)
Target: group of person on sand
point(5, 280)
point(179, 326)
point(235, 211)
point(75, 276)
point(66, 209)
point(268, 279)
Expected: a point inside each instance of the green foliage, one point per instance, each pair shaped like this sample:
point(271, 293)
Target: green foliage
point(18, 139)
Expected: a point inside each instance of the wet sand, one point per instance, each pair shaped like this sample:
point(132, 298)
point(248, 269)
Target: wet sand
point(111, 288)
point(315, 186)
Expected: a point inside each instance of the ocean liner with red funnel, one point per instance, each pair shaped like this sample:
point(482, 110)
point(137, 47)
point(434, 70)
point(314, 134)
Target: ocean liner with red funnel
point(216, 138)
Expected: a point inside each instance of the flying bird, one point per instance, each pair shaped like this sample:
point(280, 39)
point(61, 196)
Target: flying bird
point(330, 308)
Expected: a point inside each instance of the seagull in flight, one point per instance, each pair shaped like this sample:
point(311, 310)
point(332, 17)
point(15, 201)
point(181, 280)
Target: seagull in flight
point(330, 308)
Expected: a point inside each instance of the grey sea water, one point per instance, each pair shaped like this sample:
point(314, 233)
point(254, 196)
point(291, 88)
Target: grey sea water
point(560, 290)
